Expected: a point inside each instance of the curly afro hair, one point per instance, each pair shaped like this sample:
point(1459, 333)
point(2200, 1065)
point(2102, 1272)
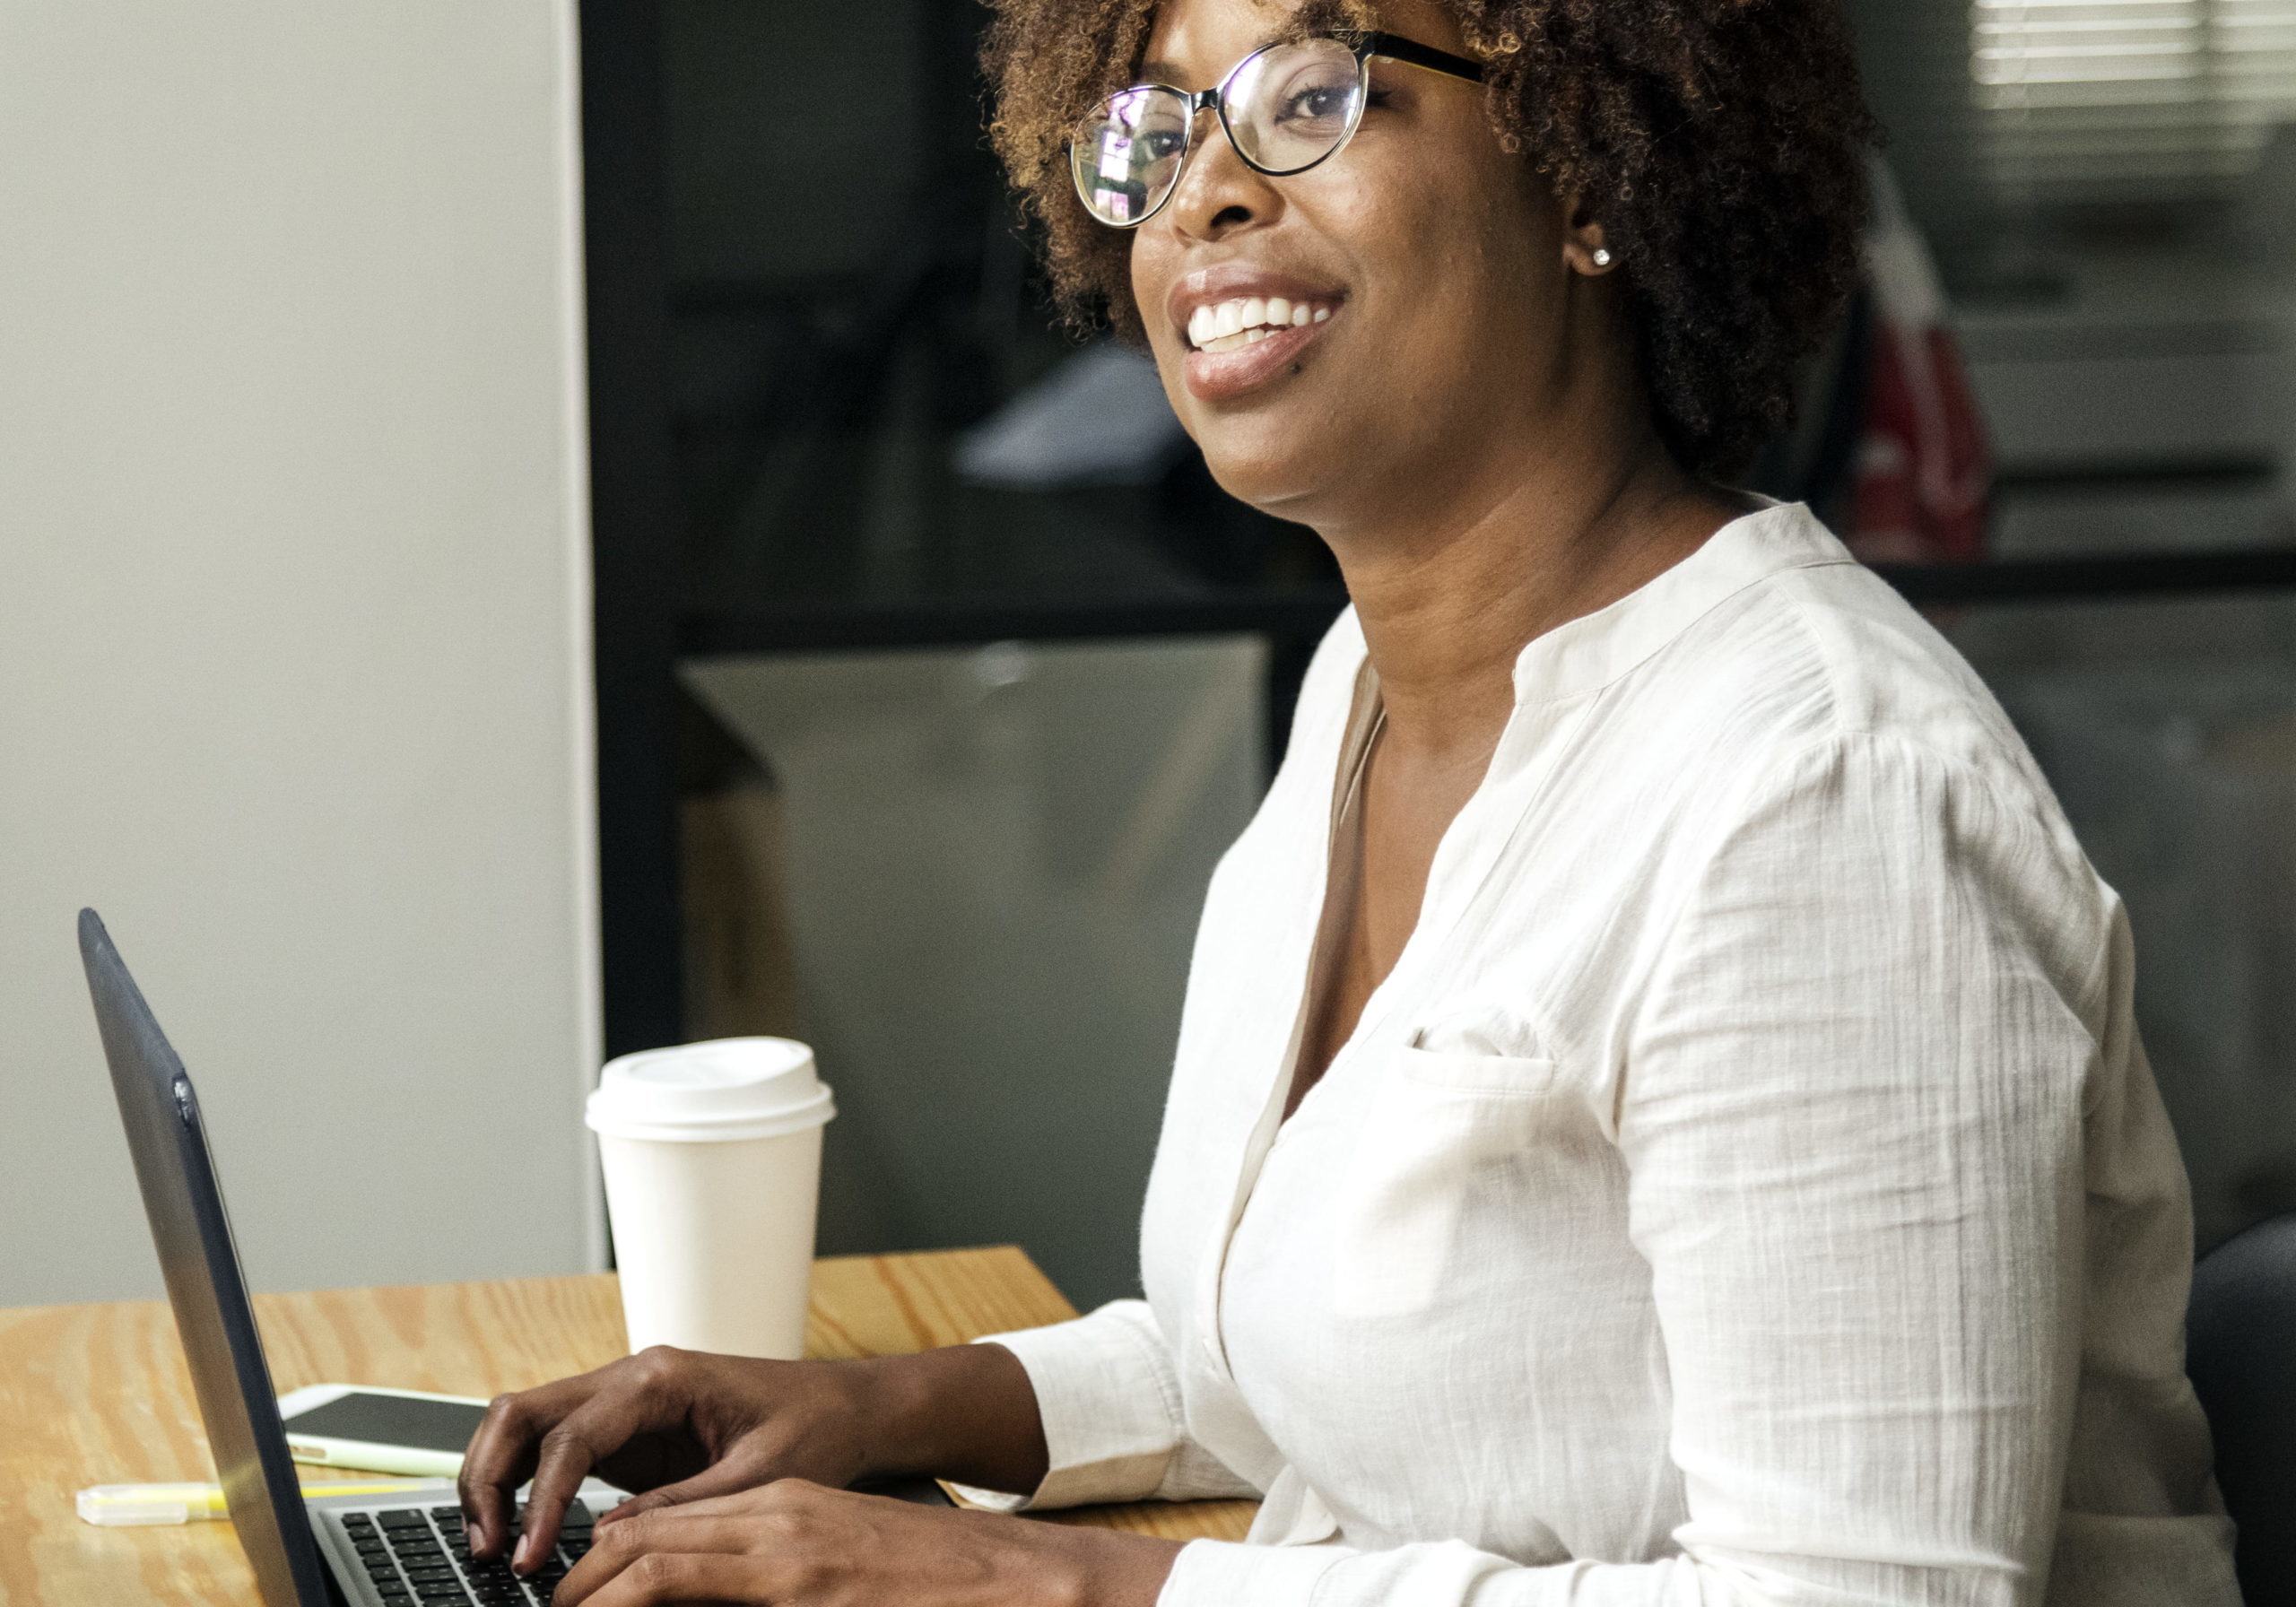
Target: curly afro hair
point(1720, 143)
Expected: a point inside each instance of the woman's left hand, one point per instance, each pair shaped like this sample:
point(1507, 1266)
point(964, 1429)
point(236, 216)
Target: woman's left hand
point(792, 1544)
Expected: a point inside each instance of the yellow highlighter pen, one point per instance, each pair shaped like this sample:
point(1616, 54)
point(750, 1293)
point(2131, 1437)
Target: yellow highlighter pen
point(114, 1505)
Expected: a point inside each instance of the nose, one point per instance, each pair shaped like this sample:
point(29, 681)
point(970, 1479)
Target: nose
point(1218, 194)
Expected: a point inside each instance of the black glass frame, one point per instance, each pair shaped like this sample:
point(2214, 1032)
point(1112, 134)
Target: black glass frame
point(1363, 44)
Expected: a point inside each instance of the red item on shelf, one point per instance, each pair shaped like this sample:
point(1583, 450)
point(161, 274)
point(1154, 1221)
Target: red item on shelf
point(1923, 481)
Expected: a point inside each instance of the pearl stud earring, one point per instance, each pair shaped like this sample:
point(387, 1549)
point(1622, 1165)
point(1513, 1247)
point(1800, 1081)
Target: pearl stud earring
point(1602, 257)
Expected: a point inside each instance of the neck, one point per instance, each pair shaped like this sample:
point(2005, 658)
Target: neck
point(1448, 600)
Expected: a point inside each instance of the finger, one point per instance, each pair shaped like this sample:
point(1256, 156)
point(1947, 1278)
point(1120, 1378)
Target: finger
point(563, 1461)
point(732, 1476)
point(785, 1497)
point(500, 1456)
point(659, 1533)
point(503, 1452)
point(661, 1576)
point(598, 1428)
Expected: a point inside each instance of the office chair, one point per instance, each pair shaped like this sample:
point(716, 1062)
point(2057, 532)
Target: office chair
point(2241, 1355)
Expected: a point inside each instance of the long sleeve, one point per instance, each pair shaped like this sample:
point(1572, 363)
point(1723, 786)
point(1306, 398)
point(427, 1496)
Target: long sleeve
point(1111, 1404)
point(1850, 1100)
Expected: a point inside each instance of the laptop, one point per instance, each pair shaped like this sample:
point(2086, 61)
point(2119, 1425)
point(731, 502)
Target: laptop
point(402, 1549)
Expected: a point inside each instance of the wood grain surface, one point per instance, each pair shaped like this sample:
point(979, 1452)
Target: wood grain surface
point(98, 1394)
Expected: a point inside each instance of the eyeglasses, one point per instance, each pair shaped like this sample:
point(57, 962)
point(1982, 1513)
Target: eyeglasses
point(1284, 108)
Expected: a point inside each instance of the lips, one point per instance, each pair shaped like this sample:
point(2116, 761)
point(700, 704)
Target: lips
point(1245, 325)
point(1217, 376)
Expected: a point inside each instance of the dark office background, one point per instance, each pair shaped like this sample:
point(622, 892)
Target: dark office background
point(847, 556)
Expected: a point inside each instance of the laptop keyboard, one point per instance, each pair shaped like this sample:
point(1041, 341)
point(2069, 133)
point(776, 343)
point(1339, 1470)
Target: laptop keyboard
point(418, 1558)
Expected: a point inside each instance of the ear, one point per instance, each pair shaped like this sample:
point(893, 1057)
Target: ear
point(1583, 248)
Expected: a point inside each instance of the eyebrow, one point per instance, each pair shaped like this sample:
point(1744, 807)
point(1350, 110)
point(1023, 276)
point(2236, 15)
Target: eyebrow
point(1166, 72)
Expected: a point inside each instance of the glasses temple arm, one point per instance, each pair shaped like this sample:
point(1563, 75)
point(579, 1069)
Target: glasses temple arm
point(1411, 53)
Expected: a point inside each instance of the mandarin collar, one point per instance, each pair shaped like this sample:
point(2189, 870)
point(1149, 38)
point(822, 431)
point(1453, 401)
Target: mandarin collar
point(1588, 653)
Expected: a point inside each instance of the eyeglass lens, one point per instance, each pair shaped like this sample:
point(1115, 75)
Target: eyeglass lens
point(1127, 157)
point(1286, 108)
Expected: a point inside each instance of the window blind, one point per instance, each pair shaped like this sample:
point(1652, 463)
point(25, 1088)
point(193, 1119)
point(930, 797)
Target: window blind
point(2128, 100)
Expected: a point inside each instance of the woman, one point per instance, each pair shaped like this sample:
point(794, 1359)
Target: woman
point(1657, 1117)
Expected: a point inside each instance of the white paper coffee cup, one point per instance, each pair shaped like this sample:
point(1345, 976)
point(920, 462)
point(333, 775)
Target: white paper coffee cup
point(713, 1154)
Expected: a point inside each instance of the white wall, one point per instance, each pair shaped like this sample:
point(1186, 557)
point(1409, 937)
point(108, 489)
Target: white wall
point(293, 611)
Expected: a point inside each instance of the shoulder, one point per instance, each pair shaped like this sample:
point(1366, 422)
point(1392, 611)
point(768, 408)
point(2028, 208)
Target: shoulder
point(1862, 772)
point(1824, 664)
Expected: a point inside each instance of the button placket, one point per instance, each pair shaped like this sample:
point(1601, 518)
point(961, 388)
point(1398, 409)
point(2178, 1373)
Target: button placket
point(1365, 716)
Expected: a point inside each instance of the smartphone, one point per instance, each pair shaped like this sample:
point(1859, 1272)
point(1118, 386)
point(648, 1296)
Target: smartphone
point(380, 1430)
point(407, 1431)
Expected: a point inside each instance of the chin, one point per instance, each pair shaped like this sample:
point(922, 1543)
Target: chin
point(1282, 467)
point(1269, 481)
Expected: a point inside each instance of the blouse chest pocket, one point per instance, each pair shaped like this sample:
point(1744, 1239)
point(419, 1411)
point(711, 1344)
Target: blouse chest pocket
point(1466, 1073)
point(1429, 1122)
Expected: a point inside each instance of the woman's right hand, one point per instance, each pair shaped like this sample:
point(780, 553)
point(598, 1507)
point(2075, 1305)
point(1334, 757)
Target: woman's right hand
point(680, 1425)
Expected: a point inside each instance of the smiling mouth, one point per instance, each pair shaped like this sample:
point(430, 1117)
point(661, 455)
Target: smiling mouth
point(1232, 325)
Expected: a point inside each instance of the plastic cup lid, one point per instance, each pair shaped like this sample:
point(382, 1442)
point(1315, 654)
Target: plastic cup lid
point(716, 1092)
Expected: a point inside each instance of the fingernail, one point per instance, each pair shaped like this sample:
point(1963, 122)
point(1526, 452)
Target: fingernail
point(525, 1545)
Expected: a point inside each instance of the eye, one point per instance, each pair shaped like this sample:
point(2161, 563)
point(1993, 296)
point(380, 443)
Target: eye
point(1318, 103)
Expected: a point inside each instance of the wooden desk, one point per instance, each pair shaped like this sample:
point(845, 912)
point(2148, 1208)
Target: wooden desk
point(98, 1394)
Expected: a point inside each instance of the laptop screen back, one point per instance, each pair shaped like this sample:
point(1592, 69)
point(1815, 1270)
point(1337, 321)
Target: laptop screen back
point(204, 1286)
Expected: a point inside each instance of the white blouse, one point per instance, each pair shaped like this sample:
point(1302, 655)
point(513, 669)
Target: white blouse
point(1747, 1187)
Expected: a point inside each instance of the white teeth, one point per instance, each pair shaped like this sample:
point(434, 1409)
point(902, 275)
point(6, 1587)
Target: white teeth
point(1248, 318)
